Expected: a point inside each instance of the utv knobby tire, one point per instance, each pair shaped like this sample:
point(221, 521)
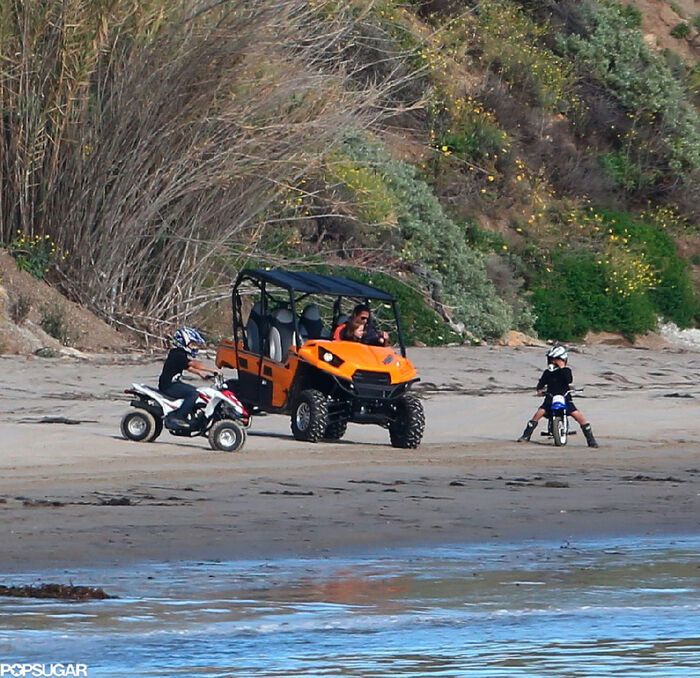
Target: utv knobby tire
point(310, 416)
point(406, 431)
point(558, 431)
point(139, 426)
point(336, 429)
point(227, 435)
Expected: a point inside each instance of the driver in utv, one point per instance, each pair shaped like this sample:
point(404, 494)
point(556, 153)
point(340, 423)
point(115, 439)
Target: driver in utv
point(359, 327)
point(181, 357)
point(557, 380)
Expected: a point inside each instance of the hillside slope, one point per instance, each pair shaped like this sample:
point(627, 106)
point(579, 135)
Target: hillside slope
point(36, 318)
point(518, 165)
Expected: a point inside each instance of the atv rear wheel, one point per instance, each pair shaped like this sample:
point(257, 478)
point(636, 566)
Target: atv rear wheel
point(406, 431)
point(140, 426)
point(227, 435)
point(336, 429)
point(310, 416)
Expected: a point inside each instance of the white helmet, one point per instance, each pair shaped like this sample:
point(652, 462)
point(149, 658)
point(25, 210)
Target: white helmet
point(557, 353)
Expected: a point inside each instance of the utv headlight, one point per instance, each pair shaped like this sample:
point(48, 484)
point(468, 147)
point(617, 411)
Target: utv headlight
point(328, 357)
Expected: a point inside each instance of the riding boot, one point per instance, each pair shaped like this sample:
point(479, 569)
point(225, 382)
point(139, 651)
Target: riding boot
point(588, 432)
point(525, 437)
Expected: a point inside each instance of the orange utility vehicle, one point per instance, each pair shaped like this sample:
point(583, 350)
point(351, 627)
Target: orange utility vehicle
point(287, 363)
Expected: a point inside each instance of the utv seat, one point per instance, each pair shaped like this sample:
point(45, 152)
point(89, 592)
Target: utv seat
point(282, 334)
point(311, 324)
point(253, 329)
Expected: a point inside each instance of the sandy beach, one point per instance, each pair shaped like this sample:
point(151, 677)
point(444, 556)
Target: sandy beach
point(78, 494)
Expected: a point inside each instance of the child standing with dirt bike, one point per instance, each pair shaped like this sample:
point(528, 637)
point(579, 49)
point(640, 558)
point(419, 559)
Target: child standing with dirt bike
point(557, 380)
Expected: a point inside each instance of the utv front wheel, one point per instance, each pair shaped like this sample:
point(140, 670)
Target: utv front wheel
point(140, 426)
point(406, 431)
point(310, 416)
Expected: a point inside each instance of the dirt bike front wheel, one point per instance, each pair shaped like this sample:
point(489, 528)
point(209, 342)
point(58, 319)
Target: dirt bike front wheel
point(559, 431)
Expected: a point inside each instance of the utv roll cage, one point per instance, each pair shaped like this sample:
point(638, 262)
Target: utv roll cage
point(299, 285)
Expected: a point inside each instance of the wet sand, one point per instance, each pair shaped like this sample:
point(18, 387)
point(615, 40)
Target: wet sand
point(73, 495)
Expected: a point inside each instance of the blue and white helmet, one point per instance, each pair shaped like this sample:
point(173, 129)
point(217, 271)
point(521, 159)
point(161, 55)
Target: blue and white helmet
point(185, 336)
point(557, 352)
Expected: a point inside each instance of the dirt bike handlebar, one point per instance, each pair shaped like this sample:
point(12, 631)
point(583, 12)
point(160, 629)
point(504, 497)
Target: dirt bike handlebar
point(571, 391)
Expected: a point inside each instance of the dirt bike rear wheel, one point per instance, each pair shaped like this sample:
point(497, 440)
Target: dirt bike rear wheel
point(559, 431)
point(140, 426)
point(227, 435)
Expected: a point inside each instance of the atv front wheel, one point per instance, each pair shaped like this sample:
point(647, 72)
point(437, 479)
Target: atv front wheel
point(406, 431)
point(140, 426)
point(310, 416)
point(227, 435)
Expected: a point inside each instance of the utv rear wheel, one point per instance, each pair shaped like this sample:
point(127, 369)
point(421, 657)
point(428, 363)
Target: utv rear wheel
point(227, 435)
point(310, 416)
point(140, 426)
point(406, 431)
point(336, 429)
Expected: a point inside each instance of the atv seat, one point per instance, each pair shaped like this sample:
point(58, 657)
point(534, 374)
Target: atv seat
point(311, 324)
point(282, 334)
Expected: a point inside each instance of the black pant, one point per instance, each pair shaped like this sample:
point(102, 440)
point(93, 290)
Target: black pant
point(179, 390)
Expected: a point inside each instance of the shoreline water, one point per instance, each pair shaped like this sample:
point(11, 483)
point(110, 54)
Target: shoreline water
point(595, 608)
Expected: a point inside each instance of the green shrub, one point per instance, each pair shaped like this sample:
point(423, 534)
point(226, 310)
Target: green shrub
point(368, 189)
point(33, 254)
point(622, 170)
point(513, 44)
point(673, 296)
point(469, 131)
point(53, 322)
point(681, 30)
point(619, 274)
point(617, 56)
point(435, 245)
point(632, 15)
point(575, 296)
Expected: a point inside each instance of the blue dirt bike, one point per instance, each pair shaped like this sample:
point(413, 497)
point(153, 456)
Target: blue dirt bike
point(558, 419)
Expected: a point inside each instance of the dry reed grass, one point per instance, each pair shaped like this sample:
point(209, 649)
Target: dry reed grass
point(149, 139)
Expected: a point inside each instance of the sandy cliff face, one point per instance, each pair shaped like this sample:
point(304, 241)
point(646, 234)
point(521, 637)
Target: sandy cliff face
point(660, 17)
point(28, 307)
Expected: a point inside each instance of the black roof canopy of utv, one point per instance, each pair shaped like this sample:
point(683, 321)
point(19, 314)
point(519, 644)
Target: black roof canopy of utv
point(315, 283)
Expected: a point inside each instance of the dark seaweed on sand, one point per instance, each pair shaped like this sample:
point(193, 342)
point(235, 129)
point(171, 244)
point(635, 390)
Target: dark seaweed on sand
point(61, 591)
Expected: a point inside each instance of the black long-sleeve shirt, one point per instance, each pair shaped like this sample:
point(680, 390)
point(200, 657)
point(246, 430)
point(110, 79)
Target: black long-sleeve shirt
point(556, 382)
